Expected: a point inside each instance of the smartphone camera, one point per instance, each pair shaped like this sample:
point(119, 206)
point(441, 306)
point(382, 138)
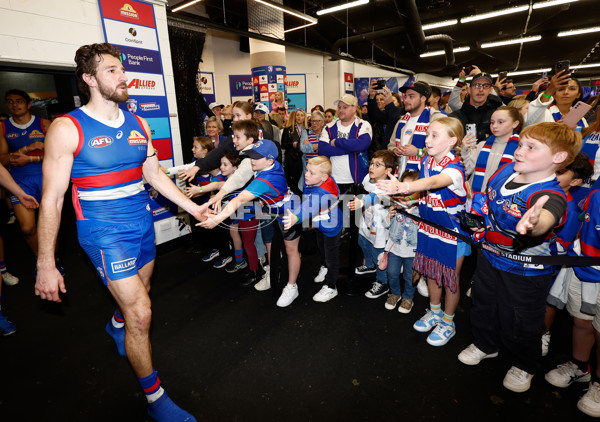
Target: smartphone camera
point(380, 84)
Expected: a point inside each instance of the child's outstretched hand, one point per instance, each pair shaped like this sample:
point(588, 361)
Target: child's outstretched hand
point(391, 185)
point(355, 204)
point(530, 219)
point(289, 220)
point(192, 190)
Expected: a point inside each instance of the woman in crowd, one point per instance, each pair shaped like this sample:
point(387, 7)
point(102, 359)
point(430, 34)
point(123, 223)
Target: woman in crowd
point(294, 134)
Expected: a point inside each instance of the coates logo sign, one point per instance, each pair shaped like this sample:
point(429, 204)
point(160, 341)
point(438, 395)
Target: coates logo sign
point(136, 138)
point(100, 141)
point(127, 11)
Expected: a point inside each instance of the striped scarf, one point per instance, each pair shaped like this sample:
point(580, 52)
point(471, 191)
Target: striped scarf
point(418, 137)
point(557, 115)
point(484, 154)
point(313, 139)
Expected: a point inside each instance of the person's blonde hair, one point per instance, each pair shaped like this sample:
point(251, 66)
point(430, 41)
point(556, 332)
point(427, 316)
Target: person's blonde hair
point(322, 163)
point(291, 121)
point(557, 136)
point(454, 129)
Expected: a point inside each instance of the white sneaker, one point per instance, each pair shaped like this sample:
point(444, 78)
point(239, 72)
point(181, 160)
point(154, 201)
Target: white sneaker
point(469, 292)
point(288, 295)
point(472, 355)
point(546, 344)
point(265, 282)
point(590, 402)
point(321, 276)
point(9, 279)
point(325, 294)
point(422, 288)
point(566, 374)
point(517, 380)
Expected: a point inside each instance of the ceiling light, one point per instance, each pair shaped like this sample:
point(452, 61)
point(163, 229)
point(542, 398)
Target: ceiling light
point(578, 31)
point(440, 24)
point(497, 13)
point(440, 52)
point(183, 5)
point(514, 41)
point(300, 27)
point(342, 7)
point(529, 72)
point(541, 5)
point(585, 66)
point(288, 10)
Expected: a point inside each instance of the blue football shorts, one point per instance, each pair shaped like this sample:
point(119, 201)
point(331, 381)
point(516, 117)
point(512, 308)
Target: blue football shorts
point(32, 185)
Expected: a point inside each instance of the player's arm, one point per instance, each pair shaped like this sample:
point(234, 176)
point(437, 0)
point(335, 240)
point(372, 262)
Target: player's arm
point(4, 157)
point(230, 208)
point(162, 183)
point(61, 142)
point(9, 183)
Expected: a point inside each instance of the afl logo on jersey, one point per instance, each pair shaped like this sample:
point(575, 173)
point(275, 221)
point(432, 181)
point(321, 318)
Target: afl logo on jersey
point(100, 142)
point(136, 138)
point(12, 135)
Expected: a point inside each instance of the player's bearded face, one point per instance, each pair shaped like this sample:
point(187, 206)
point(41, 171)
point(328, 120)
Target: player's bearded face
point(118, 94)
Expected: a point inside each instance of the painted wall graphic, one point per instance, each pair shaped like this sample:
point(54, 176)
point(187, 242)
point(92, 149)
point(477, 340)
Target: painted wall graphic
point(131, 26)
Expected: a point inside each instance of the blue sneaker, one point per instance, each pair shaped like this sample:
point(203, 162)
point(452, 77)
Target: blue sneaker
point(6, 327)
point(427, 321)
point(220, 263)
point(164, 410)
point(118, 335)
point(211, 255)
point(441, 334)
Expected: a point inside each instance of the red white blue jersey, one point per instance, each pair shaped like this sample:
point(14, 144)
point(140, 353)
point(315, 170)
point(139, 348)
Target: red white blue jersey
point(321, 203)
point(19, 136)
point(505, 208)
point(271, 188)
point(568, 232)
point(590, 238)
point(107, 167)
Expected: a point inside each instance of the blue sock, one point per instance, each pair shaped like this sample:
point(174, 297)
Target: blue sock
point(116, 329)
point(151, 387)
point(163, 409)
point(3, 267)
point(239, 255)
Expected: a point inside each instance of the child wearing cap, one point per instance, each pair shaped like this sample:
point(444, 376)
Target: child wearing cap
point(270, 187)
point(321, 195)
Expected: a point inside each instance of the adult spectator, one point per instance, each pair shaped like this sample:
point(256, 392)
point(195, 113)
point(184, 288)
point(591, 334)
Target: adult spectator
point(329, 116)
point(520, 103)
point(436, 102)
point(261, 112)
point(479, 105)
point(506, 90)
point(294, 134)
point(216, 109)
point(409, 133)
point(384, 113)
point(346, 142)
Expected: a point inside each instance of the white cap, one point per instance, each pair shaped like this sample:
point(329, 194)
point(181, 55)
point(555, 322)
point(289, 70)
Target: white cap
point(213, 105)
point(261, 107)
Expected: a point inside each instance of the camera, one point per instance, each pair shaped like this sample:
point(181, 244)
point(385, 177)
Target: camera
point(380, 84)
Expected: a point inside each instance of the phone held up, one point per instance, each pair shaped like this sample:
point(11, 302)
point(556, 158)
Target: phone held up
point(380, 84)
point(502, 76)
point(562, 65)
point(471, 128)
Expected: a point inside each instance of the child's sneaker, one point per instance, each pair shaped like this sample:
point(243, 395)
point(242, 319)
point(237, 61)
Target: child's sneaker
point(517, 380)
point(211, 255)
point(442, 333)
point(222, 262)
point(472, 355)
point(545, 343)
point(590, 402)
point(321, 276)
point(118, 335)
point(405, 306)
point(427, 321)
point(566, 374)
point(164, 410)
point(235, 266)
point(9, 279)
point(325, 294)
point(288, 295)
point(422, 288)
point(363, 269)
point(6, 327)
point(378, 289)
point(265, 282)
point(392, 301)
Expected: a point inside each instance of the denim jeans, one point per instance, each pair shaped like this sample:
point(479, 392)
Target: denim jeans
point(371, 257)
point(395, 264)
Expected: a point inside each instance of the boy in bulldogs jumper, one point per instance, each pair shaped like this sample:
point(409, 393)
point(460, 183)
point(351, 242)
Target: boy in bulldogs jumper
point(522, 206)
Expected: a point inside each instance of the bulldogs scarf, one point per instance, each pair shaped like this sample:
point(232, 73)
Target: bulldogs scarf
point(484, 154)
point(418, 137)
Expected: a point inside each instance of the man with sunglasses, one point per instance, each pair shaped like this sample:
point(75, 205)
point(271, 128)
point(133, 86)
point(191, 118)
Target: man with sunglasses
point(479, 105)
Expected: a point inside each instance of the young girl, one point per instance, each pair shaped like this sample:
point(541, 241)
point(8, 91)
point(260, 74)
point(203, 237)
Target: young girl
point(279, 102)
point(483, 159)
point(229, 164)
point(402, 245)
point(439, 256)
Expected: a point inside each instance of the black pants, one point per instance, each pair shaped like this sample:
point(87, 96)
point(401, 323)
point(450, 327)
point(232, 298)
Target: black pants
point(330, 256)
point(509, 309)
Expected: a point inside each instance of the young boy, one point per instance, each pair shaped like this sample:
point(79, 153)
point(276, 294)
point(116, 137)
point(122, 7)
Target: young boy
point(270, 186)
point(320, 197)
point(373, 230)
point(523, 204)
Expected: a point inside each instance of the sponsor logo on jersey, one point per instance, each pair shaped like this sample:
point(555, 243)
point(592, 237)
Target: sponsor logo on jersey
point(36, 134)
point(587, 217)
point(136, 138)
point(142, 84)
point(124, 265)
point(128, 11)
point(12, 135)
point(512, 209)
point(119, 134)
point(100, 272)
point(150, 106)
point(100, 141)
